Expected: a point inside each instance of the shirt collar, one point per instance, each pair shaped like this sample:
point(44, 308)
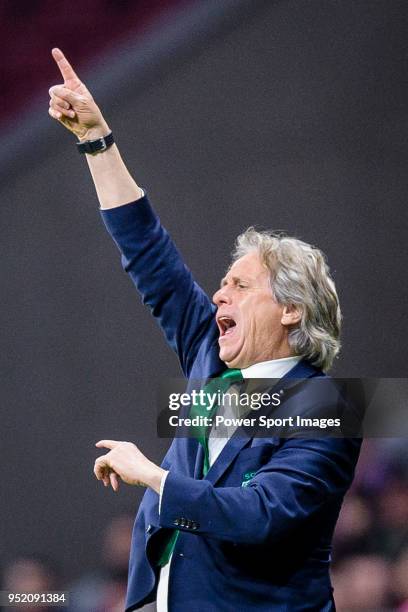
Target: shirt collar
point(275, 368)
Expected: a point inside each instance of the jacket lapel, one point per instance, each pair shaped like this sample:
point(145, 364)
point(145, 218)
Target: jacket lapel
point(241, 436)
point(234, 445)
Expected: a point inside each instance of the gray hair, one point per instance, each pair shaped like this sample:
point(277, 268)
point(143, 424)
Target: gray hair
point(300, 277)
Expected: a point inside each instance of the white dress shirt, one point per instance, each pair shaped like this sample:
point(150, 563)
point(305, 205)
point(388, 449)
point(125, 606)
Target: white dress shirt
point(276, 368)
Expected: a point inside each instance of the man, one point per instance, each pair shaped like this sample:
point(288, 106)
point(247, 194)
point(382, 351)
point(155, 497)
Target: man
point(225, 524)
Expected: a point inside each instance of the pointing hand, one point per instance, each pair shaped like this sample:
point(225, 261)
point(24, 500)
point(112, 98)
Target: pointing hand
point(126, 462)
point(72, 104)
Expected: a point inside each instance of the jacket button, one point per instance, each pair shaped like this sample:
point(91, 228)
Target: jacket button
point(176, 522)
point(195, 526)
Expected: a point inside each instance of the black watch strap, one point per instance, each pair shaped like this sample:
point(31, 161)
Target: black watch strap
point(96, 146)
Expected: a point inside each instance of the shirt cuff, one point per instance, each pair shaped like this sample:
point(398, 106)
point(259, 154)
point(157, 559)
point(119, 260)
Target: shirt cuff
point(163, 480)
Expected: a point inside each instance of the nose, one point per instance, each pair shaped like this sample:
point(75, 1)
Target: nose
point(222, 296)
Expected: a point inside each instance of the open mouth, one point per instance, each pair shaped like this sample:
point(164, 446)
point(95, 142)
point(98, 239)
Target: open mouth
point(226, 325)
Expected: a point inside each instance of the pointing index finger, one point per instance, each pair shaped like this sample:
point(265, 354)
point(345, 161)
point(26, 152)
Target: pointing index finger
point(107, 444)
point(63, 64)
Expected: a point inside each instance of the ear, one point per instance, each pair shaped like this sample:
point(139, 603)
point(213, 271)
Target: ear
point(291, 315)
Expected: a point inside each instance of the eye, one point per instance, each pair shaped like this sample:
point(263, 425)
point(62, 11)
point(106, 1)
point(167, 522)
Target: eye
point(242, 286)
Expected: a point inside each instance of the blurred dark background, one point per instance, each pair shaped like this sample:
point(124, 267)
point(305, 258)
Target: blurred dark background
point(287, 114)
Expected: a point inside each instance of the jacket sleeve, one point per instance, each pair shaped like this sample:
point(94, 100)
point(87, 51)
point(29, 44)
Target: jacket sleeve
point(155, 266)
point(301, 477)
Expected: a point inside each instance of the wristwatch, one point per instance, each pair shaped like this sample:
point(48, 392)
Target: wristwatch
point(96, 146)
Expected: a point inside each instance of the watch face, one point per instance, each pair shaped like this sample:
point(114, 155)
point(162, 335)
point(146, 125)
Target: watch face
point(100, 144)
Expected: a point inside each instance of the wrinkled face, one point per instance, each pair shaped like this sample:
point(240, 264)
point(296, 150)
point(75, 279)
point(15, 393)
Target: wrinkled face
point(252, 325)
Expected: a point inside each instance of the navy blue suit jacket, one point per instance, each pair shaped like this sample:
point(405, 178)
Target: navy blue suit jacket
point(265, 546)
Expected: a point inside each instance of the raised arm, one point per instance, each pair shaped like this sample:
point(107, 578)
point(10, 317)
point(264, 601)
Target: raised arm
point(73, 106)
point(155, 266)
